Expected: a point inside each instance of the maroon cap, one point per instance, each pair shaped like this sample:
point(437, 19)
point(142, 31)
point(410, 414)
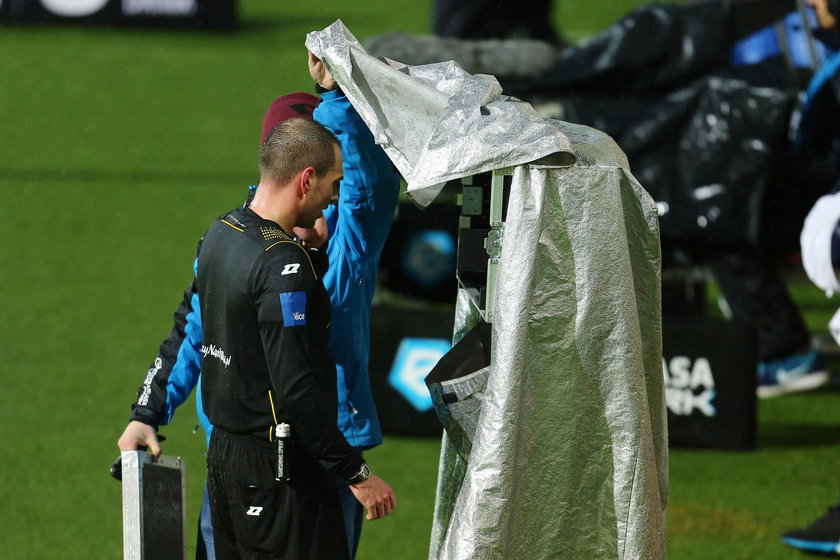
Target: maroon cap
point(291, 106)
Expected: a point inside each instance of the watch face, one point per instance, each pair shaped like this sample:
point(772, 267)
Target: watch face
point(361, 476)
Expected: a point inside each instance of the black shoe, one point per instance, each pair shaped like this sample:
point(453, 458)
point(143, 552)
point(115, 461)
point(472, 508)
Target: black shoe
point(822, 536)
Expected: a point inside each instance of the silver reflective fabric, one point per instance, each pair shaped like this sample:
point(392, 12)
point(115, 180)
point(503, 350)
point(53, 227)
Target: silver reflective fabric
point(568, 450)
point(436, 122)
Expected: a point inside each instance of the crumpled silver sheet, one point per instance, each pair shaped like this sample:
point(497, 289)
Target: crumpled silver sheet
point(569, 457)
point(569, 452)
point(436, 122)
point(452, 466)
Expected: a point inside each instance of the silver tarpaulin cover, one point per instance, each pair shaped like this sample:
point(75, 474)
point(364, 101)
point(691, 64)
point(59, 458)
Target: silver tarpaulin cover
point(568, 456)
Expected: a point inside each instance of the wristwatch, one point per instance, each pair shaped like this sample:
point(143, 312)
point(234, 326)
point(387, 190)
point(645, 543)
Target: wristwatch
point(361, 476)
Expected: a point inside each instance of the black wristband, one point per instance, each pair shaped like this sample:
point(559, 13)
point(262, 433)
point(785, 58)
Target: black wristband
point(319, 89)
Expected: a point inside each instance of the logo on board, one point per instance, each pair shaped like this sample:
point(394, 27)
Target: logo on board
point(414, 360)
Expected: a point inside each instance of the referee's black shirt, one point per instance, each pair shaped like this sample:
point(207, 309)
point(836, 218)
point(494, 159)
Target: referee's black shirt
point(266, 356)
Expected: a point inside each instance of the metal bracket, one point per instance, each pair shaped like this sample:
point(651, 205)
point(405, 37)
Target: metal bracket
point(495, 238)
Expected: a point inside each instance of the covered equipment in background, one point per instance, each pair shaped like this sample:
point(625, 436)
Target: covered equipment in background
point(564, 452)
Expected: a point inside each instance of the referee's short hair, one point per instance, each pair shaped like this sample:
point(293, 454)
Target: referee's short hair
point(294, 145)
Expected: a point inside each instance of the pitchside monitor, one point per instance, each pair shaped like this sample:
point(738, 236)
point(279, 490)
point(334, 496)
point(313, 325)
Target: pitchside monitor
point(153, 507)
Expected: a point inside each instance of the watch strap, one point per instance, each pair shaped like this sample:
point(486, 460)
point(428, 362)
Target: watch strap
point(361, 476)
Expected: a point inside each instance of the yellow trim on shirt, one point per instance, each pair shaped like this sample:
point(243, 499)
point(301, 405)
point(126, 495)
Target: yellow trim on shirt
point(231, 225)
point(305, 252)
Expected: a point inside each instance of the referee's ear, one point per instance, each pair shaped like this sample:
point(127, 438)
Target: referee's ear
point(304, 181)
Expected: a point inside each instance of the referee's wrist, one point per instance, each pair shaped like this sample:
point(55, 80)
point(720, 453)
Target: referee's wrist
point(363, 474)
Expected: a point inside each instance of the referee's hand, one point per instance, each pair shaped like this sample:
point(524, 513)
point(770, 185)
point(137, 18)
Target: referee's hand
point(376, 496)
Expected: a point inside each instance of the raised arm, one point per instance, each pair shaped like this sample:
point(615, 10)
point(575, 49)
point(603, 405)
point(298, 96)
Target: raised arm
point(370, 187)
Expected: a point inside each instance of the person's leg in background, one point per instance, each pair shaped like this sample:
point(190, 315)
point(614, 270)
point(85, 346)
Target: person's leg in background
point(204, 548)
point(756, 294)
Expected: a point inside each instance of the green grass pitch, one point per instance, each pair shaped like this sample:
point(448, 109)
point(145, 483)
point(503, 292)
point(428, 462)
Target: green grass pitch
point(117, 148)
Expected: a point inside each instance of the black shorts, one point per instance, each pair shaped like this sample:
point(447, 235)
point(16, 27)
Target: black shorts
point(256, 518)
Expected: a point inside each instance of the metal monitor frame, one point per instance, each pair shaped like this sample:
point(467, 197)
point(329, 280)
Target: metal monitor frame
point(153, 495)
point(476, 206)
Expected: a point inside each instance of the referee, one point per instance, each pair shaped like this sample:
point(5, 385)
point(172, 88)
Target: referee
point(266, 362)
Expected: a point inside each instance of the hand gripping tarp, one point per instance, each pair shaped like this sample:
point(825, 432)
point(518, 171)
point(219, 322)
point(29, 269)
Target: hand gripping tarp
point(567, 453)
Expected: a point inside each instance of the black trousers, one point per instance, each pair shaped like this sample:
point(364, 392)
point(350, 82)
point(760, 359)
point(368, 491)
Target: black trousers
point(257, 518)
point(757, 294)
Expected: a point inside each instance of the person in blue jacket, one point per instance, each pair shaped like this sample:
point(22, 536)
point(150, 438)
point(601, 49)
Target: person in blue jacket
point(354, 232)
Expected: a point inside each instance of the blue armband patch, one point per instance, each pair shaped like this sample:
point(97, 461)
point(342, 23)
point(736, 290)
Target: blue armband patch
point(293, 305)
